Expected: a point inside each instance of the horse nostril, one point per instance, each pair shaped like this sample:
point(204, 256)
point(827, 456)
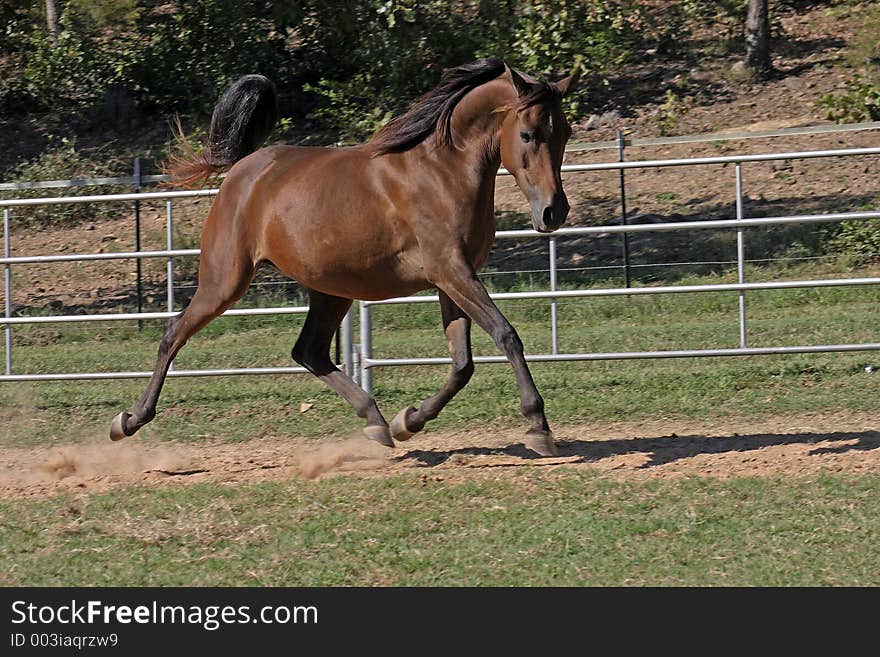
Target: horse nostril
point(547, 217)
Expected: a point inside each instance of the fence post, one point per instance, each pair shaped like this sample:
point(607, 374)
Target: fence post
point(740, 257)
point(170, 264)
point(621, 145)
point(356, 363)
point(554, 319)
point(7, 288)
point(137, 237)
point(347, 344)
point(366, 349)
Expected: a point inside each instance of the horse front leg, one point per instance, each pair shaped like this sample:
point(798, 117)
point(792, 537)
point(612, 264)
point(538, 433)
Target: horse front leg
point(459, 281)
point(457, 327)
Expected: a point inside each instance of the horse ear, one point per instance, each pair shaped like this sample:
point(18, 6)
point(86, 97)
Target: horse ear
point(519, 82)
point(567, 85)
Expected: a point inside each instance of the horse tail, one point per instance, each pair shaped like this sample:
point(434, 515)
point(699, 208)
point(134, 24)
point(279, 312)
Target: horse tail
point(242, 120)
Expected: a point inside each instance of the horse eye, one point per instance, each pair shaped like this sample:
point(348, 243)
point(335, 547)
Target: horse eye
point(525, 136)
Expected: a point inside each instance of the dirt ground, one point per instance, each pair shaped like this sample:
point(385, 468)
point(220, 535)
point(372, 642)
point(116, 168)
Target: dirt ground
point(774, 446)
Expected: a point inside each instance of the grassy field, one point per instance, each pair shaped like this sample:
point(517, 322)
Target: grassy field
point(533, 526)
point(535, 529)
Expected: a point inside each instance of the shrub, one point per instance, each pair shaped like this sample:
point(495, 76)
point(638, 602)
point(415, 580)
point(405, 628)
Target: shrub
point(857, 241)
point(859, 102)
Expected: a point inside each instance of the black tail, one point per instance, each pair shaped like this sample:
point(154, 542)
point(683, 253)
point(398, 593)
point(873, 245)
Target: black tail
point(242, 120)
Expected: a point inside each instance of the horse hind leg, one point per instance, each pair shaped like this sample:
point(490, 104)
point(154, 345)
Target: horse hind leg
point(218, 289)
point(457, 327)
point(312, 351)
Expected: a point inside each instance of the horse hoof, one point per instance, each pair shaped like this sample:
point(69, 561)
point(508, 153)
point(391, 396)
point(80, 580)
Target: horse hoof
point(380, 434)
point(398, 425)
point(541, 443)
point(117, 426)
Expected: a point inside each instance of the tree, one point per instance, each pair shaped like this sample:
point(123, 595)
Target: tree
point(758, 39)
point(52, 20)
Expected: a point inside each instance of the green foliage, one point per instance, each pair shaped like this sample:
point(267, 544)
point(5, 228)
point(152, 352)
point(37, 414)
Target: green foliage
point(387, 52)
point(180, 59)
point(344, 105)
point(196, 52)
point(69, 70)
point(359, 61)
point(860, 100)
point(423, 38)
point(726, 15)
point(104, 13)
point(858, 241)
point(670, 112)
point(18, 19)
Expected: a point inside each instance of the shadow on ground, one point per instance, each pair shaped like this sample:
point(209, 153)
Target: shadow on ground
point(662, 450)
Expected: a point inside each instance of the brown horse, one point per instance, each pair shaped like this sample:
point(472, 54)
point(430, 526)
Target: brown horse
point(411, 209)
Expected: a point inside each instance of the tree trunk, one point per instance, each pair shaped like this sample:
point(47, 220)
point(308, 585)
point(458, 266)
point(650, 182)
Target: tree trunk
point(52, 20)
point(758, 38)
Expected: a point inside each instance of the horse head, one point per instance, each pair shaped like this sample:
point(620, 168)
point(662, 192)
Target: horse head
point(533, 138)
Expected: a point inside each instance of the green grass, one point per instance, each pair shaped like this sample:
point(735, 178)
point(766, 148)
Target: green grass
point(238, 408)
point(562, 528)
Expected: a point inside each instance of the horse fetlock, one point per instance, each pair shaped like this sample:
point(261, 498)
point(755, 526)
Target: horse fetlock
point(403, 427)
point(532, 406)
point(127, 424)
point(139, 417)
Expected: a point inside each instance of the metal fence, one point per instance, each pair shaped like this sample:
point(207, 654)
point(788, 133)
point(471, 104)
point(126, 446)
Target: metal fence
point(358, 359)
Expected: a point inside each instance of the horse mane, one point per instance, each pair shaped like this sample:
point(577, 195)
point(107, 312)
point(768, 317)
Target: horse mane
point(432, 113)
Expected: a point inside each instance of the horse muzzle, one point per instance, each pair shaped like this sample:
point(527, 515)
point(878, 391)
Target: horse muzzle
point(547, 217)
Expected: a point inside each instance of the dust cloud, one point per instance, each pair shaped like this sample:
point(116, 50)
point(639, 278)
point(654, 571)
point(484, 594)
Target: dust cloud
point(87, 461)
point(348, 455)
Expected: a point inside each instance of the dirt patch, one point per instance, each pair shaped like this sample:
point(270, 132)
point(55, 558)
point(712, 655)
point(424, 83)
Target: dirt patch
point(777, 446)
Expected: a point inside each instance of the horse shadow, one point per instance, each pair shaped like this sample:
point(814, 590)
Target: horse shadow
point(661, 450)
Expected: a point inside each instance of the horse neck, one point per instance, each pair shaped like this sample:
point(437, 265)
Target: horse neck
point(476, 129)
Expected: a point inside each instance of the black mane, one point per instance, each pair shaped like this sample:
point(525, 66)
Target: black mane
point(433, 111)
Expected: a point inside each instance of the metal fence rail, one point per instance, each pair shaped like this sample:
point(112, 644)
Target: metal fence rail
point(358, 358)
point(367, 362)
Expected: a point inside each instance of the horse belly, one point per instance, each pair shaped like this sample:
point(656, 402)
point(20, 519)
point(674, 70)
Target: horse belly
point(345, 259)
